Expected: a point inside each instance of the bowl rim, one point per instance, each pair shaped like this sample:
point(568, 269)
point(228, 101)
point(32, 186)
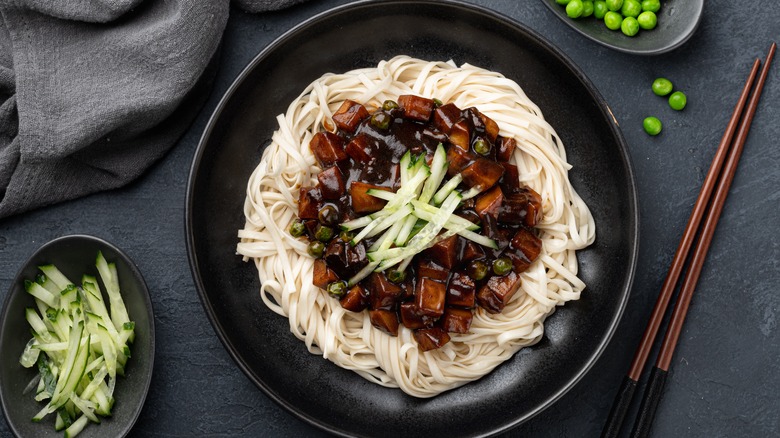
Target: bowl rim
point(147, 304)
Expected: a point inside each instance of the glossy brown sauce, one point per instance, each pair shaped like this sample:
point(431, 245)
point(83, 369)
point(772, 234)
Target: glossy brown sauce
point(441, 286)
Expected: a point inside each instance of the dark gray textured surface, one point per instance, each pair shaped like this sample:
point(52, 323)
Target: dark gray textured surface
point(727, 366)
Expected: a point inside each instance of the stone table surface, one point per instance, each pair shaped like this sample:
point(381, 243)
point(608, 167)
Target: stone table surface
point(726, 372)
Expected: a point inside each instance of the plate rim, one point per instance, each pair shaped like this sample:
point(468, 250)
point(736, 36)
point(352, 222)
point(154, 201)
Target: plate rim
point(603, 106)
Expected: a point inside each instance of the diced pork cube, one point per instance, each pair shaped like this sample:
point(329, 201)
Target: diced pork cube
point(460, 134)
point(461, 290)
point(510, 180)
point(383, 293)
point(416, 107)
point(472, 251)
point(362, 202)
point(385, 320)
point(359, 149)
point(482, 173)
point(323, 275)
point(522, 208)
point(456, 320)
point(328, 149)
point(412, 318)
point(349, 115)
point(431, 338)
point(523, 249)
point(495, 295)
point(332, 183)
point(505, 148)
point(458, 159)
point(309, 202)
point(491, 127)
point(489, 202)
point(445, 116)
point(345, 259)
point(428, 268)
point(430, 296)
point(355, 300)
point(444, 253)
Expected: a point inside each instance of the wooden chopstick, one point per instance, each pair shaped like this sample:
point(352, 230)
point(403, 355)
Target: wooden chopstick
point(652, 395)
point(626, 392)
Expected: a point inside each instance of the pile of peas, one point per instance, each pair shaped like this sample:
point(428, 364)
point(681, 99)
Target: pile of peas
point(627, 15)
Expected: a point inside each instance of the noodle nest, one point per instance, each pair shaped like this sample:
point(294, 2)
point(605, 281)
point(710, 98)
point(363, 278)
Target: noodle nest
point(347, 338)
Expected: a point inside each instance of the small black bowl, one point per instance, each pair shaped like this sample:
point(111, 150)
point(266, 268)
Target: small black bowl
point(75, 256)
point(677, 21)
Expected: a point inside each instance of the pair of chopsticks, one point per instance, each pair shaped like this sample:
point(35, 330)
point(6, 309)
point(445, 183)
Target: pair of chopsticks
point(729, 152)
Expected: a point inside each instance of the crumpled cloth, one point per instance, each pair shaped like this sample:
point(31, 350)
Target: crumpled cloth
point(93, 92)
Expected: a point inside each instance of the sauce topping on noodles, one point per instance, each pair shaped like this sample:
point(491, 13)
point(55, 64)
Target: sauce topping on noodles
point(434, 291)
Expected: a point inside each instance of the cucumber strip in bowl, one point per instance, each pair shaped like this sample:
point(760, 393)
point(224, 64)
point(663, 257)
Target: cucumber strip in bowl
point(80, 344)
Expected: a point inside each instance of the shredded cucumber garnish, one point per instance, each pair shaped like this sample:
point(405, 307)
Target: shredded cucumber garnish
point(84, 340)
point(415, 215)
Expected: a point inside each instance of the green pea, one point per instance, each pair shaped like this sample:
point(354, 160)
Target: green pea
point(677, 100)
point(647, 20)
point(437, 103)
point(478, 270)
point(613, 20)
point(574, 9)
point(614, 5)
point(652, 125)
point(480, 145)
point(662, 86)
point(323, 233)
point(396, 276)
point(599, 9)
point(337, 289)
point(629, 26)
point(389, 105)
point(328, 215)
point(380, 120)
point(631, 8)
point(502, 266)
point(651, 5)
point(297, 228)
point(562, 2)
point(587, 8)
point(316, 248)
point(346, 236)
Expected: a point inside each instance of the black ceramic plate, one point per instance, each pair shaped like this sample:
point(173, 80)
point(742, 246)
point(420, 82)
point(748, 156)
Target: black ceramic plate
point(677, 21)
point(75, 256)
point(360, 35)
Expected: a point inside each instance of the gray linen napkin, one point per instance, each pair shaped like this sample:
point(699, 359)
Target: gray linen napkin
point(92, 92)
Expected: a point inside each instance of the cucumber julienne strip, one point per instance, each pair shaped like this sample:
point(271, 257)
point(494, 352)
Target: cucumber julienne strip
point(118, 310)
point(410, 204)
point(446, 189)
point(389, 221)
point(426, 212)
point(386, 240)
point(54, 274)
point(422, 239)
point(381, 194)
point(438, 170)
point(402, 255)
point(41, 293)
point(406, 230)
point(84, 343)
